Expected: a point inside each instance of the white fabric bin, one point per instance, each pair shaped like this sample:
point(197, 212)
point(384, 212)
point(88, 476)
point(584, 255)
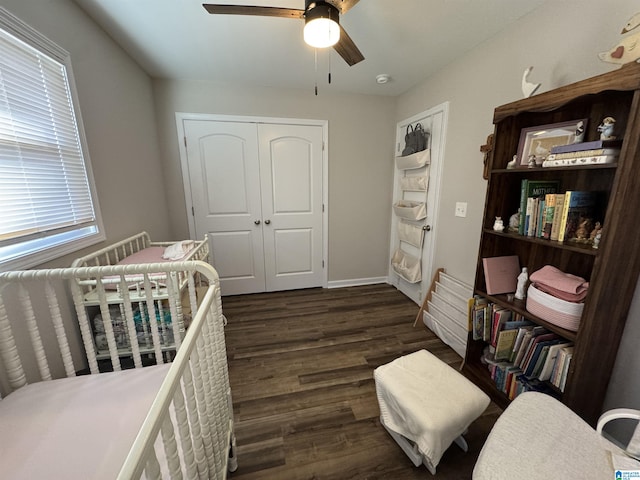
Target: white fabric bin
point(410, 210)
point(407, 266)
point(410, 233)
point(415, 160)
point(414, 183)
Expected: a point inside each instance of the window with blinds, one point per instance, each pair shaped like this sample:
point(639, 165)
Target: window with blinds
point(47, 206)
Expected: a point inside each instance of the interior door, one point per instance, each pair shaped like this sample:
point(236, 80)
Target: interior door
point(291, 185)
point(224, 174)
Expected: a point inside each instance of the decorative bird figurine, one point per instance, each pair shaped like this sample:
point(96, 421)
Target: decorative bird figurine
point(627, 50)
point(528, 88)
point(606, 128)
point(633, 22)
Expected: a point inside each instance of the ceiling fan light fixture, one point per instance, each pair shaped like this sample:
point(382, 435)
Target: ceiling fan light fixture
point(322, 28)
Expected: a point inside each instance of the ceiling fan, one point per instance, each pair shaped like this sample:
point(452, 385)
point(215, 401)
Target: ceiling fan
point(321, 14)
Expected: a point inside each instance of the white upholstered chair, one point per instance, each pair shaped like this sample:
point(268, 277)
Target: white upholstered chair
point(538, 437)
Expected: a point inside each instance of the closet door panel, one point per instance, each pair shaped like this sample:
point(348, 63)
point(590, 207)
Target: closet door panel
point(291, 180)
point(224, 173)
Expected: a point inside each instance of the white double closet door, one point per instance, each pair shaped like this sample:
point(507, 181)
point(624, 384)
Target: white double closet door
point(256, 190)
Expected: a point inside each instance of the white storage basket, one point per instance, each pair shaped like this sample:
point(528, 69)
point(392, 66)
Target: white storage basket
point(407, 266)
point(415, 160)
point(410, 233)
point(410, 210)
point(414, 183)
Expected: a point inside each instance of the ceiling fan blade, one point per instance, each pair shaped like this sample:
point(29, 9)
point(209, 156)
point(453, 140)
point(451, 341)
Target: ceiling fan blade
point(252, 10)
point(347, 49)
point(345, 5)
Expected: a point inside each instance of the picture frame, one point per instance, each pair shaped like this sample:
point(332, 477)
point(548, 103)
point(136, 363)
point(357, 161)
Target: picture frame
point(538, 140)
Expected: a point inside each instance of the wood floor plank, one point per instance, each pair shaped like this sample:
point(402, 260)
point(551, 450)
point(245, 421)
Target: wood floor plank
point(301, 370)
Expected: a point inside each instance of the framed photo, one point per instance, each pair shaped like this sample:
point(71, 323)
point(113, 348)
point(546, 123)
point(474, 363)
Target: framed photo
point(537, 141)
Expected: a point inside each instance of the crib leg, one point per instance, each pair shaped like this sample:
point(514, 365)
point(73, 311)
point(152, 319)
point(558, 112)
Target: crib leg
point(233, 458)
point(462, 443)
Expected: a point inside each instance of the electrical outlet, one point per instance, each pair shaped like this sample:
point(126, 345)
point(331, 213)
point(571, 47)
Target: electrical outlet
point(461, 209)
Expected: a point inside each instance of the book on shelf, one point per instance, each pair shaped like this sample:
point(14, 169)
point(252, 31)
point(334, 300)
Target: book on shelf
point(536, 351)
point(549, 212)
point(499, 317)
point(519, 338)
point(561, 367)
point(533, 189)
point(557, 215)
point(579, 206)
point(584, 146)
point(550, 361)
point(501, 274)
point(588, 159)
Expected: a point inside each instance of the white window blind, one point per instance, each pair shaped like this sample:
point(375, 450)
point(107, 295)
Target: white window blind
point(45, 194)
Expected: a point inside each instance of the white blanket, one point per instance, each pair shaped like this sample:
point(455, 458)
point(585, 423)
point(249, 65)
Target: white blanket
point(427, 401)
point(75, 428)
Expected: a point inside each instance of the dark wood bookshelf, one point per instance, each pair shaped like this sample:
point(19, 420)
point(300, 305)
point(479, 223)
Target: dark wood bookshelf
point(612, 269)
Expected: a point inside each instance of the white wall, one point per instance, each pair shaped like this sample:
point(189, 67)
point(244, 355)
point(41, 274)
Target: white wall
point(561, 40)
point(361, 138)
point(116, 103)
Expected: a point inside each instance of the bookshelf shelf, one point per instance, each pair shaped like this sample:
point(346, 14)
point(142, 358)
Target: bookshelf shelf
point(585, 249)
point(613, 269)
point(518, 306)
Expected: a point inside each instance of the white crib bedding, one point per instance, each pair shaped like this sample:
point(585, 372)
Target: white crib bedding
point(75, 428)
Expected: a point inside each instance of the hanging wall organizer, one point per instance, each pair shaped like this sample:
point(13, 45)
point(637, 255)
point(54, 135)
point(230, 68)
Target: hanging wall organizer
point(411, 214)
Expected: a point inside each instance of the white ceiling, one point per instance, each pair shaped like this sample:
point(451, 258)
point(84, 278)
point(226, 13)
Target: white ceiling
point(406, 39)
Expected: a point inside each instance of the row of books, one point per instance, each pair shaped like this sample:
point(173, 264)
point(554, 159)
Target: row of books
point(519, 347)
point(545, 213)
point(488, 319)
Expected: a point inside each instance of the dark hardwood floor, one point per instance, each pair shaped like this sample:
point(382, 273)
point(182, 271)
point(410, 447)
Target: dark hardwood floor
point(301, 368)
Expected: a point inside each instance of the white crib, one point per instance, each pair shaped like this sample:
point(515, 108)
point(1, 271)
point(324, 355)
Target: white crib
point(163, 421)
point(103, 296)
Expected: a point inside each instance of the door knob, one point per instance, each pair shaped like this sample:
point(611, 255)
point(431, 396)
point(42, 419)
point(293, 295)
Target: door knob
point(427, 228)
point(257, 222)
point(267, 222)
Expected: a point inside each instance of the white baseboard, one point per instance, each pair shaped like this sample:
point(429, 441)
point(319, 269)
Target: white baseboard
point(357, 282)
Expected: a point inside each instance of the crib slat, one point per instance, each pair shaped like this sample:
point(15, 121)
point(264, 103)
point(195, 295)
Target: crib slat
point(85, 329)
point(153, 323)
point(9, 352)
point(194, 420)
point(56, 319)
point(152, 470)
point(171, 448)
point(130, 322)
point(185, 433)
point(34, 333)
point(107, 324)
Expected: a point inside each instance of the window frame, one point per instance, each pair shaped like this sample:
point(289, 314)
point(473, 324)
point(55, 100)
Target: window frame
point(63, 245)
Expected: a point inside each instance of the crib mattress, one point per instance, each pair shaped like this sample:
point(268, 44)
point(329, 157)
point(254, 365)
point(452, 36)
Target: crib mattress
point(75, 428)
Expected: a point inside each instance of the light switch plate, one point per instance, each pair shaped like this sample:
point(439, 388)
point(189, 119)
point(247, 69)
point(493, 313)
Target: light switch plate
point(461, 209)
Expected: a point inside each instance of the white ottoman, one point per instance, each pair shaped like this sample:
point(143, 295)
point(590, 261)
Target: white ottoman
point(426, 405)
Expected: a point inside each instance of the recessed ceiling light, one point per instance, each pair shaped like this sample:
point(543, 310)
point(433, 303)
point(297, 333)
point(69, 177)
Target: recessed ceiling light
point(383, 78)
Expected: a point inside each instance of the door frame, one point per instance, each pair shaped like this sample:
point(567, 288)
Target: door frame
point(437, 118)
point(184, 163)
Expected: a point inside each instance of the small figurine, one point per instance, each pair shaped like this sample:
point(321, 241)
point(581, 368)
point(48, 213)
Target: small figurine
point(513, 162)
point(595, 231)
point(531, 162)
point(528, 88)
point(522, 284)
point(579, 135)
point(514, 222)
point(498, 225)
point(606, 128)
point(583, 229)
point(596, 240)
